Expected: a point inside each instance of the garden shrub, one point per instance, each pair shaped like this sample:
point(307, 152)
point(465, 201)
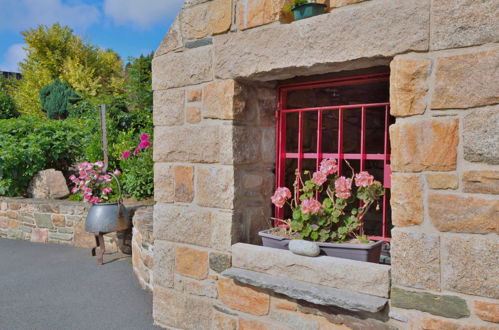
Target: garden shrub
point(56, 98)
point(7, 106)
point(29, 145)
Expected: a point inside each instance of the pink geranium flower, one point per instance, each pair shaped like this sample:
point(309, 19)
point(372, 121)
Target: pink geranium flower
point(144, 145)
point(136, 152)
point(343, 187)
point(319, 178)
point(363, 179)
point(280, 196)
point(310, 206)
point(95, 200)
point(117, 172)
point(328, 166)
point(144, 137)
point(106, 191)
point(126, 154)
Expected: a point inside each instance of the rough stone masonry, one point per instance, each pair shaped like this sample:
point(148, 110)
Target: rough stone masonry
point(214, 79)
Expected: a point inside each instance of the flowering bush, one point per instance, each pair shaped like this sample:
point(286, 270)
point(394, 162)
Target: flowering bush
point(137, 166)
point(92, 182)
point(341, 213)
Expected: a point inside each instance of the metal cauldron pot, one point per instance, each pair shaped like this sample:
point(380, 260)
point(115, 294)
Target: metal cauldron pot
point(103, 218)
point(107, 217)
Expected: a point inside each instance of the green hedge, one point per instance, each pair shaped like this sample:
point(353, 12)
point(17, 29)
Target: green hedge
point(29, 145)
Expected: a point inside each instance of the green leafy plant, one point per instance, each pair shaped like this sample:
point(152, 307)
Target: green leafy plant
point(56, 98)
point(137, 168)
point(30, 144)
point(289, 8)
point(341, 213)
point(7, 106)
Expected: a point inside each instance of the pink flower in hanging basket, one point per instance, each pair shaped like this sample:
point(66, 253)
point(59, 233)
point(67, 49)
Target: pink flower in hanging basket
point(107, 190)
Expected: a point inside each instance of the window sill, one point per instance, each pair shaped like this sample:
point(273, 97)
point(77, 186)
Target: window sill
point(321, 280)
point(313, 293)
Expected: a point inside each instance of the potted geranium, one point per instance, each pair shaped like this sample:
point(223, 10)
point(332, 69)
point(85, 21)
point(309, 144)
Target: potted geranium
point(304, 9)
point(107, 213)
point(328, 209)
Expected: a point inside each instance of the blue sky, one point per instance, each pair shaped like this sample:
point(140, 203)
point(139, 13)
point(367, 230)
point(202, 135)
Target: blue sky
point(130, 27)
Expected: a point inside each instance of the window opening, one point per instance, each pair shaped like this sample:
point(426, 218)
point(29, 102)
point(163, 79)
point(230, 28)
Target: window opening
point(345, 119)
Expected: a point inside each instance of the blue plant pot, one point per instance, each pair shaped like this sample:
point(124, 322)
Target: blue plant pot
point(308, 10)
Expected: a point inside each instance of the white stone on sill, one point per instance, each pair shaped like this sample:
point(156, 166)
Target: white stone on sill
point(351, 275)
point(314, 293)
point(304, 248)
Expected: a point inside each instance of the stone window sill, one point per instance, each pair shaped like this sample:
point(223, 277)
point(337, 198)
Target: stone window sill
point(328, 281)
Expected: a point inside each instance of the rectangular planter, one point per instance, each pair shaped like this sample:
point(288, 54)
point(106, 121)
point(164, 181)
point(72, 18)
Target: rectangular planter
point(361, 252)
point(273, 241)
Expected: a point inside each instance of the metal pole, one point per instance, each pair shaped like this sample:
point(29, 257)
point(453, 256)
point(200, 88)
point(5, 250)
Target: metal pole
point(104, 135)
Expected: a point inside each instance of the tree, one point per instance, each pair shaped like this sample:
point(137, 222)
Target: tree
point(56, 98)
point(139, 83)
point(56, 53)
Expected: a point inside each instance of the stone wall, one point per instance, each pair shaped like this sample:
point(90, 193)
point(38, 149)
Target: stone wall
point(445, 184)
point(54, 221)
point(143, 246)
point(213, 79)
point(45, 221)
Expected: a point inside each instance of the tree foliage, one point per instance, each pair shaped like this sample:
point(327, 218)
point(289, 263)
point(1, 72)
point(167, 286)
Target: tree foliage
point(139, 83)
point(30, 144)
point(54, 52)
point(56, 98)
point(7, 106)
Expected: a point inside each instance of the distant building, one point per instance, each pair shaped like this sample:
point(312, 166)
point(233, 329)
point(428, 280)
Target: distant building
point(11, 75)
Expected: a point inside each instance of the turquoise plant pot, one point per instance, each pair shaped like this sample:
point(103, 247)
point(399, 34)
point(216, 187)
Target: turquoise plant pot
point(308, 10)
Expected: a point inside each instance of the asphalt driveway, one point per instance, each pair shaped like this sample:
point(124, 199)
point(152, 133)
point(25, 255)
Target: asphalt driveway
point(45, 286)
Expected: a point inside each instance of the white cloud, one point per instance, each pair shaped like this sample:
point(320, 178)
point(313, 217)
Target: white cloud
point(18, 15)
point(141, 13)
point(13, 56)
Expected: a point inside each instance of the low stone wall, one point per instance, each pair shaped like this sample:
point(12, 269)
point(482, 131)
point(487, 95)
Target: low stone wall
point(143, 246)
point(53, 221)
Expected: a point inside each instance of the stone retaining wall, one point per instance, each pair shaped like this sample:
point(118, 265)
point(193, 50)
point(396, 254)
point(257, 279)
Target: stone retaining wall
point(60, 222)
point(45, 221)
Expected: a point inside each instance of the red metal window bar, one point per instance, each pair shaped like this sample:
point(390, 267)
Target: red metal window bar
point(281, 136)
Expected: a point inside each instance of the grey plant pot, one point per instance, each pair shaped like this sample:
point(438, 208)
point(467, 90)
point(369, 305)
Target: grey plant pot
point(361, 252)
point(273, 241)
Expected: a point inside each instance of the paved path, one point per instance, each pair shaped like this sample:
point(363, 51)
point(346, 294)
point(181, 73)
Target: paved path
point(53, 287)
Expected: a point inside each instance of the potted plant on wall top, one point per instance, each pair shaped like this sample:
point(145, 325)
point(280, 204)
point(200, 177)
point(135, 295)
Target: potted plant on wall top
point(336, 222)
point(304, 9)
